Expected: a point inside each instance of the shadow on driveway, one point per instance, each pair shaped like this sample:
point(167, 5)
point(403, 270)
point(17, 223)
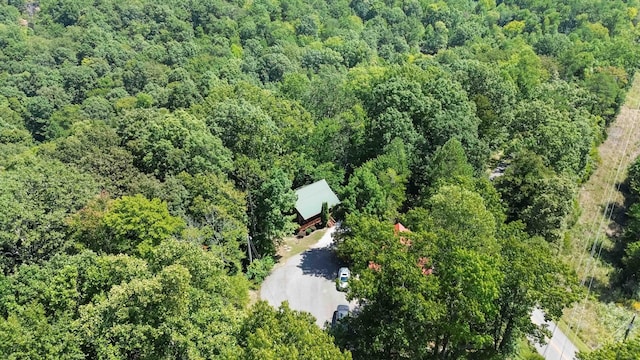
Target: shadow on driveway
point(320, 262)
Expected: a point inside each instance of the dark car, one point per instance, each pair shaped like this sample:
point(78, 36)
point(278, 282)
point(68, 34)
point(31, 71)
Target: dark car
point(339, 314)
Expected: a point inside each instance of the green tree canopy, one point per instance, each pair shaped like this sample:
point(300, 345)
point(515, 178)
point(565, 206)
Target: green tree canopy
point(617, 351)
point(456, 287)
point(377, 188)
point(285, 334)
point(271, 223)
point(129, 225)
point(179, 303)
point(534, 194)
point(37, 198)
point(169, 143)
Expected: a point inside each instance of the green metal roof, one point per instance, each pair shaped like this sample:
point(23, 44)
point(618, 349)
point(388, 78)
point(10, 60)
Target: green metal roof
point(311, 197)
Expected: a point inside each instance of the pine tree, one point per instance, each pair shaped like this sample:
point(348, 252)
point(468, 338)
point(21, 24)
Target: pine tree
point(324, 214)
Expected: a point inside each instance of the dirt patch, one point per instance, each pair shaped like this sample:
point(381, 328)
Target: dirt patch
point(254, 297)
point(293, 245)
point(603, 210)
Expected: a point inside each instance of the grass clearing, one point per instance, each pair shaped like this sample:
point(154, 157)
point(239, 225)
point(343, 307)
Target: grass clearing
point(572, 336)
point(599, 322)
point(599, 318)
point(526, 351)
point(292, 246)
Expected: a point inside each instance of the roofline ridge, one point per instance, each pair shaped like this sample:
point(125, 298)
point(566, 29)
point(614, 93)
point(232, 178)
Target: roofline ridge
point(315, 182)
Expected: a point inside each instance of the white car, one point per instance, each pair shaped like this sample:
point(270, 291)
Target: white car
point(343, 277)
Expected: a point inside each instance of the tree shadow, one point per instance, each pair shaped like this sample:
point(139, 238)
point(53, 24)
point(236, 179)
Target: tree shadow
point(598, 288)
point(617, 214)
point(614, 254)
point(616, 291)
point(320, 262)
point(625, 189)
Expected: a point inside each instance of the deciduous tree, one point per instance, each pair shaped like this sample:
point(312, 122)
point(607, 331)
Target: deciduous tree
point(270, 220)
point(283, 333)
point(617, 351)
point(36, 199)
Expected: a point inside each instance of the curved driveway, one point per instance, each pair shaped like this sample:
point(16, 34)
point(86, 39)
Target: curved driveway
point(306, 281)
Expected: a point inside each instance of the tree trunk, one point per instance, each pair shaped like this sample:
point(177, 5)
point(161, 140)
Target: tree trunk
point(506, 336)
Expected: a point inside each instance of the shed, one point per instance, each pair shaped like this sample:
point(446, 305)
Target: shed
point(309, 203)
point(398, 227)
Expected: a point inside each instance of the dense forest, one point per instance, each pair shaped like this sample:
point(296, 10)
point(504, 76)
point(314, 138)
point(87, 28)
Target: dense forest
point(142, 142)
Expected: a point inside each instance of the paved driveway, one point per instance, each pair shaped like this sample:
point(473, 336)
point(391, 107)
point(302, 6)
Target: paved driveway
point(306, 281)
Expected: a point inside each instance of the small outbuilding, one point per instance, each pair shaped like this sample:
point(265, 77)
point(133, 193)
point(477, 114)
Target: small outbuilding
point(398, 228)
point(309, 203)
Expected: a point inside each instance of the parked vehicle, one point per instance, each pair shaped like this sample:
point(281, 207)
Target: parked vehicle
point(339, 314)
point(343, 278)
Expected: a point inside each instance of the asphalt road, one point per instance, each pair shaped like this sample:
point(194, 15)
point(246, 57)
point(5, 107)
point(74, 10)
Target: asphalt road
point(306, 281)
point(559, 347)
